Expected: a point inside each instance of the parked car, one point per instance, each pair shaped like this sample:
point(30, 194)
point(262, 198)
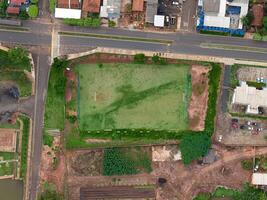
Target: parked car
point(234, 120)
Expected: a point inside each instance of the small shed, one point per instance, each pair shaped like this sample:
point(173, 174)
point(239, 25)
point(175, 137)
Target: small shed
point(259, 179)
point(68, 13)
point(159, 20)
point(138, 5)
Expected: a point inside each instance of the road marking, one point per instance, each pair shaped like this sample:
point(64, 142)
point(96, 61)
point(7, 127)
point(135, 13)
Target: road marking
point(234, 48)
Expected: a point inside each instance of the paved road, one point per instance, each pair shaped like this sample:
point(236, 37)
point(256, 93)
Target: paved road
point(39, 36)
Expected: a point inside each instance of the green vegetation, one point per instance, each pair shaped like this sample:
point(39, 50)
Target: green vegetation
point(87, 22)
point(14, 28)
point(247, 20)
point(247, 164)
point(111, 23)
point(126, 161)
point(49, 193)
point(133, 97)
point(52, 6)
point(34, 1)
point(23, 15)
point(116, 37)
point(12, 66)
point(33, 11)
point(54, 107)
point(247, 193)
point(24, 144)
point(140, 58)
point(233, 77)
point(3, 7)
point(194, 146)
point(244, 115)
point(6, 168)
point(15, 58)
point(48, 139)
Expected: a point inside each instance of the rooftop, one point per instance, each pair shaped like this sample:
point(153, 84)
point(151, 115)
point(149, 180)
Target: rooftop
point(73, 4)
point(211, 6)
point(259, 179)
point(12, 10)
point(91, 6)
point(250, 96)
point(17, 2)
point(138, 5)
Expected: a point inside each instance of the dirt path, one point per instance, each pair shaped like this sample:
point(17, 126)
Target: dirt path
point(185, 182)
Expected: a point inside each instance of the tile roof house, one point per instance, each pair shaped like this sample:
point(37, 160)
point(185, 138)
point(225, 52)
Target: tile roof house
point(14, 6)
point(138, 5)
point(68, 9)
point(91, 6)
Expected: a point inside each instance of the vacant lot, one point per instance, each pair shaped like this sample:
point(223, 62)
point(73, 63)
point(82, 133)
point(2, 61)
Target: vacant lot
point(8, 139)
point(133, 96)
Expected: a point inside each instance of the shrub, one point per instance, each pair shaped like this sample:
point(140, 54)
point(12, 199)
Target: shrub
point(72, 119)
point(49, 193)
point(33, 11)
point(155, 59)
point(23, 15)
point(52, 6)
point(247, 164)
point(256, 84)
point(265, 22)
point(203, 196)
point(48, 139)
point(247, 20)
point(34, 1)
point(140, 58)
point(3, 7)
point(19, 56)
point(111, 23)
point(257, 36)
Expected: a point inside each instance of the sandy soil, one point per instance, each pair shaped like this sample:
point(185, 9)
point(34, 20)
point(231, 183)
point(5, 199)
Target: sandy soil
point(199, 98)
point(8, 139)
point(47, 172)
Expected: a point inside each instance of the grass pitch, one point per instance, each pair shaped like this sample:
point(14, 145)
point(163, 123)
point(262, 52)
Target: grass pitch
point(121, 96)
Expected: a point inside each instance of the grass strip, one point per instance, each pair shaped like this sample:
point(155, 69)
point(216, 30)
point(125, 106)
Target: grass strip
point(248, 116)
point(233, 47)
point(24, 148)
point(115, 37)
point(13, 28)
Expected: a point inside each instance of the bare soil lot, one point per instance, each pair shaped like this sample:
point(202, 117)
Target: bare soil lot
point(8, 138)
point(199, 98)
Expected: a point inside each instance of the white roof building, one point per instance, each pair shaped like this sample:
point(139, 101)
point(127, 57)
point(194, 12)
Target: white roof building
point(251, 97)
point(259, 179)
point(110, 9)
point(216, 13)
point(68, 13)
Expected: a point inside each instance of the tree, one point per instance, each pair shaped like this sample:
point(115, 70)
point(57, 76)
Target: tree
point(155, 59)
point(33, 11)
point(194, 146)
point(3, 7)
point(265, 22)
point(251, 193)
point(18, 55)
point(111, 23)
point(140, 58)
point(247, 20)
point(34, 1)
point(23, 15)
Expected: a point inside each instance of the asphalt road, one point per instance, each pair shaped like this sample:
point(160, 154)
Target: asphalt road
point(39, 36)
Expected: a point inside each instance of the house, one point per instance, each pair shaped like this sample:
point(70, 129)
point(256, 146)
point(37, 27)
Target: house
point(91, 6)
point(111, 9)
point(250, 97)
point(14, 6)
point(259, 179)
point(138, 5)
point(258, 12)
point(68, 9)
point(151, 10)
point(222, 15)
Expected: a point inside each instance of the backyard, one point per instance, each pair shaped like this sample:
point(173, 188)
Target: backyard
point(131, 96)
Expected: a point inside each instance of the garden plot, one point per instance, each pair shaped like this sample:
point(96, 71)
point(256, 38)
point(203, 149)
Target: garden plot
point(122, 96)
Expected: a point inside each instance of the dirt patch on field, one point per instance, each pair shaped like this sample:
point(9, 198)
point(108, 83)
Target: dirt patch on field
point(85, 163)
point(53, 165)
point(8, 139)
point(199, 98)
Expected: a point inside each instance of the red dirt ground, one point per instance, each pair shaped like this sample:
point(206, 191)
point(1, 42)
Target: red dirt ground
point(198, 104)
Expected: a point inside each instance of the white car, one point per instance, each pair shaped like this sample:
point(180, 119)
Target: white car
point(175, 3)
point(220, 138)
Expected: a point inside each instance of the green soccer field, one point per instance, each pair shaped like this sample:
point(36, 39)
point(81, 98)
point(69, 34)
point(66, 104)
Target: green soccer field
point(128, 96)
